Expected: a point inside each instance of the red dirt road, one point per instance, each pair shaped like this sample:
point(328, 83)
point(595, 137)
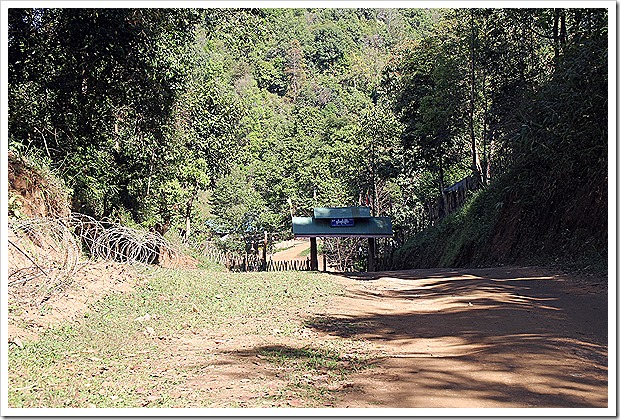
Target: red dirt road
point(291, 253)
point(501, 337)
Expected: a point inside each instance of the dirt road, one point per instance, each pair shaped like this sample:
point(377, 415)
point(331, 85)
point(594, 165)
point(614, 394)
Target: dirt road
point(505, 337)
point(292, 253)
point(500, 337)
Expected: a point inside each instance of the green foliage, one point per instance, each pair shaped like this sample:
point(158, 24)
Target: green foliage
point(328, 46)
point(240, 209)
point(270, 76)
point(551, 205)
point(15, 204)
point(103, 84)
point(280, 110)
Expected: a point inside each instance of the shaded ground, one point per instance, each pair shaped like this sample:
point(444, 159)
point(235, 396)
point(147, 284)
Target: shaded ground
point(505, 337)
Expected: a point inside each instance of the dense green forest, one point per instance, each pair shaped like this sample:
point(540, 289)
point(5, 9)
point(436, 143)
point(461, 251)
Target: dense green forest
point(232, 120)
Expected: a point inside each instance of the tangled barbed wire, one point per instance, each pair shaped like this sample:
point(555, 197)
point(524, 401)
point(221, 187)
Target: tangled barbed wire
point(112, 241)
point(41, 248)
point(44, 253)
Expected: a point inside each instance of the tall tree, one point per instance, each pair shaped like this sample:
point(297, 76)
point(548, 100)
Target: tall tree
point(104, 84)
point(295, 69)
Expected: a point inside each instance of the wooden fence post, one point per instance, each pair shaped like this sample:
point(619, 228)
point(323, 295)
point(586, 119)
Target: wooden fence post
point(265, 241)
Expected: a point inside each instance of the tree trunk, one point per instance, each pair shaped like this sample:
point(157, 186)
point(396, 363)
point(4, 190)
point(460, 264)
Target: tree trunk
point(265, 244)
point(562, 27)
point(188, 215)
point(488, 161)
point(148, 184)
point(188, 223)
point(475, 160)
point(372, 172)
point(486, 155)
point(371, 255)
point(556, 38)
point(442, 209)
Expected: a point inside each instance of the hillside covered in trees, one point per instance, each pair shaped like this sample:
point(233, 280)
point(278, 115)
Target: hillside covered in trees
point(212, 121)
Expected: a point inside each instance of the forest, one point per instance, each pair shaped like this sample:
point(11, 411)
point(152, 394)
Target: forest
point(204, 122)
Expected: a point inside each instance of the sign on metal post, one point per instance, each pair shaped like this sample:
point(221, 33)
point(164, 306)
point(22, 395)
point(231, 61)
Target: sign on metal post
point(342, 222)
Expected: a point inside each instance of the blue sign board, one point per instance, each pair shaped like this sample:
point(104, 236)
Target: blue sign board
point(342, 222)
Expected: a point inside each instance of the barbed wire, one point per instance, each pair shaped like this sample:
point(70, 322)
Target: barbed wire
point(45, 253)
point(112, 241)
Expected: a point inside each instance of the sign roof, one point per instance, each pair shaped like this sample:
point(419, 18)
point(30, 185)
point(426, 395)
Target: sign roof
point(342, 213)
point(371, 227)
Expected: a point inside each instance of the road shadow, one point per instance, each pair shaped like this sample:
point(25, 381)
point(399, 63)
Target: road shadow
point(318, 374)
point(508, 336)
point(509, 297)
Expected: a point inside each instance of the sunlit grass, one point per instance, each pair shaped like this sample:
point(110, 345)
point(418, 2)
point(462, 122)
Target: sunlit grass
point(105, 358)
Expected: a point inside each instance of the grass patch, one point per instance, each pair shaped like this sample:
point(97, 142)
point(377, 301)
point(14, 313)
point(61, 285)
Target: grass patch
point(280, 249)
point(313, 359)
point(109, 357)
point(306, 252)
point(315, 374)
